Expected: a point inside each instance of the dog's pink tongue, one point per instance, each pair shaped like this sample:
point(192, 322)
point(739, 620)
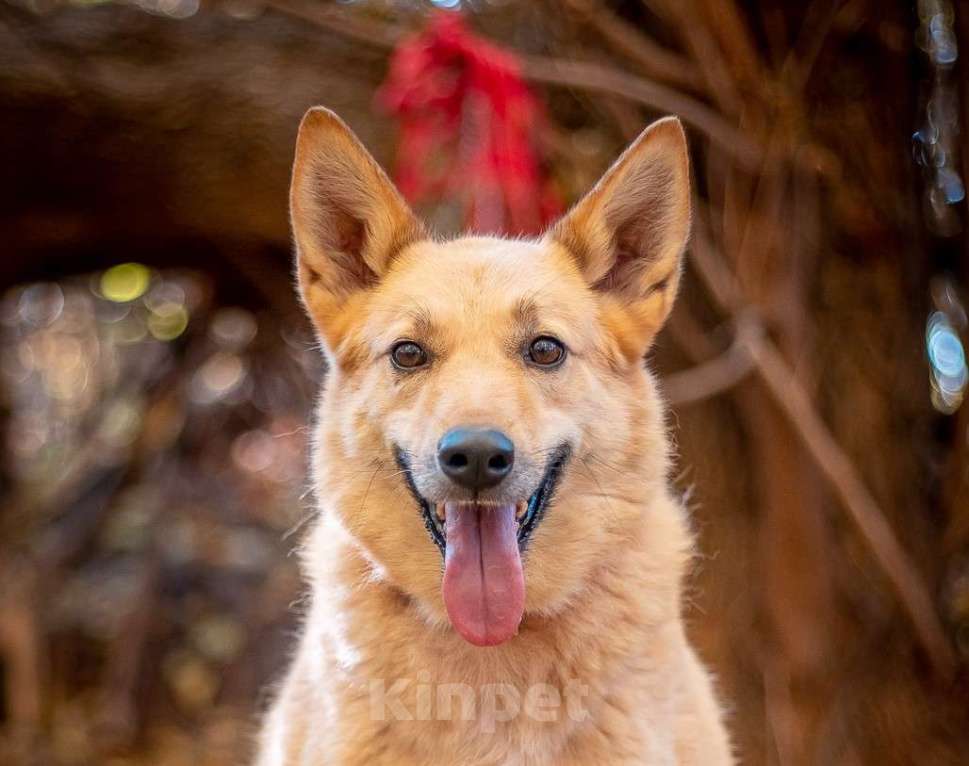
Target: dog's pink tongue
point(484, 588)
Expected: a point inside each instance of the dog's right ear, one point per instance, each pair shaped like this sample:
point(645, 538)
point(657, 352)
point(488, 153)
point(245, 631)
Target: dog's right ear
point(348, 219)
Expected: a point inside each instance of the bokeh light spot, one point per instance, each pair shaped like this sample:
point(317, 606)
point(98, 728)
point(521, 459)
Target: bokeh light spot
point(167, 321)
point(949, 374)
point(125, 282)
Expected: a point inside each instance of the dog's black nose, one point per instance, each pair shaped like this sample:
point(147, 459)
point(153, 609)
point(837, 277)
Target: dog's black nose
point(475, 458)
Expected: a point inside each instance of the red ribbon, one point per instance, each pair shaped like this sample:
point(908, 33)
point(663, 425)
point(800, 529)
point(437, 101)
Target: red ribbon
point(468, 129)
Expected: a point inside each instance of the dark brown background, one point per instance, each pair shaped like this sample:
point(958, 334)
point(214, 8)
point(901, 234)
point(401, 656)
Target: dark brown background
point(147, 594)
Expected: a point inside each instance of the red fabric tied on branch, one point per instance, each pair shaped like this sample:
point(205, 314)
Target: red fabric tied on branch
point(468, 129)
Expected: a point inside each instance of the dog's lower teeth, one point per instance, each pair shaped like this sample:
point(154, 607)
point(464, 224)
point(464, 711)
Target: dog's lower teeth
point(439, 511)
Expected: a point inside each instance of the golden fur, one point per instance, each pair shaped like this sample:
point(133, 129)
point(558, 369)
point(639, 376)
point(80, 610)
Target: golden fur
point(603, 571)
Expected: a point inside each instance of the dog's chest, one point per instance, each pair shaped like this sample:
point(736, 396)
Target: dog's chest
point(424, 707)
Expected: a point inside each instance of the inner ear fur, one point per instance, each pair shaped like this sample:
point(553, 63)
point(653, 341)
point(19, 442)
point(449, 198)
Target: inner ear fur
point(628, 234)
point(349, 221)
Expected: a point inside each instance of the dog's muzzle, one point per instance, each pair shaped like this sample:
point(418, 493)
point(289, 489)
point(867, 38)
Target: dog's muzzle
point(529, 514)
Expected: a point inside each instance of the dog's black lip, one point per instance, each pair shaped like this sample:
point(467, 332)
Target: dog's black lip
point(541, 498)
point(433, 528)
point(538, 502)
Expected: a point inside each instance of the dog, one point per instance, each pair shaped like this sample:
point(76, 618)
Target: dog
point(495, 568)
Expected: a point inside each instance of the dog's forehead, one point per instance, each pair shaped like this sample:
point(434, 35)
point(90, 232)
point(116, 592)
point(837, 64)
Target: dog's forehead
point(484, 275)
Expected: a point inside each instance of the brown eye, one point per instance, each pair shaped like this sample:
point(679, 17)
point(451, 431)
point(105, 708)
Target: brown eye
point(407, 355)
point(546, 352)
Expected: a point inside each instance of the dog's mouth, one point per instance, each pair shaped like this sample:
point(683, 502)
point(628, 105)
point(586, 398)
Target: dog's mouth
point(528, 513)
point(482, 542)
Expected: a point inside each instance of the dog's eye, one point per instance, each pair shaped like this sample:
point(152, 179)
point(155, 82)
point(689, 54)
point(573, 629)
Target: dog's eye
point(546, 351)
point(407, 355)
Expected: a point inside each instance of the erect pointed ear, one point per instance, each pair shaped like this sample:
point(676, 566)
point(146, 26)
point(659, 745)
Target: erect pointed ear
point(628, 234)
point(348, 219)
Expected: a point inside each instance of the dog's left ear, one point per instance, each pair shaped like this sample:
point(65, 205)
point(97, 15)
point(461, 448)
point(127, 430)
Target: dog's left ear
point(628, 234)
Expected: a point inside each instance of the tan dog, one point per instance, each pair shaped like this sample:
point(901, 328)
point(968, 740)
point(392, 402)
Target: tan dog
point(495, 571)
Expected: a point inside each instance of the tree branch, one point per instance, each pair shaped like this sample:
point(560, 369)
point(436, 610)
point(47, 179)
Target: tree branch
point(834, 463)
point(580, 75)
point(655, 60)
point(713, 377)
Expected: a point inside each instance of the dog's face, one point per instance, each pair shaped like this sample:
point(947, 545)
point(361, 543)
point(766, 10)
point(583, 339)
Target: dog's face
point(487, 405)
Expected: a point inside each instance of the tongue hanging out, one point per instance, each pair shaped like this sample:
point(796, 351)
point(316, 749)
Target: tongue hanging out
point(484, 588)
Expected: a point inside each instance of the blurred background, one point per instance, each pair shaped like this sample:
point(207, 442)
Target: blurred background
point(156, 373)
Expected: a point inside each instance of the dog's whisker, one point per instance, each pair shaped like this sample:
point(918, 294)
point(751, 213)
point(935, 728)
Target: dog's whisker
point(294, 432)
point(387, 470)
point(366, 494)
point(601, 493)
point(307, 517)
point(605, 463)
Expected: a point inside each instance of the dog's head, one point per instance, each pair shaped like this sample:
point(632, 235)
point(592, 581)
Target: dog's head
point(487, 400)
